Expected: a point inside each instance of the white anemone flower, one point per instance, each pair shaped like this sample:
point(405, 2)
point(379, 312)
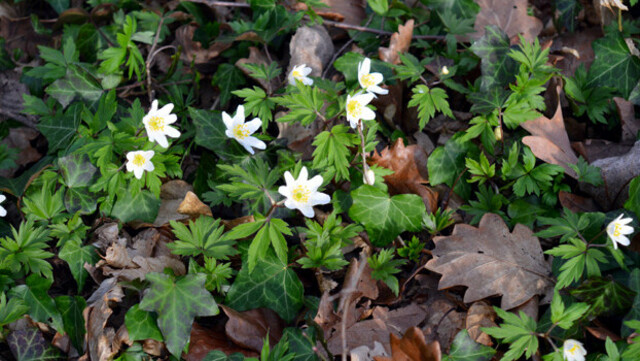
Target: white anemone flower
point(573, 350)
point(369, 81)
point(612, 4)
point(300, 72)
point(139, 161)
point(357, 108)
point(241, 131)
point(302, 193)
point(157, 121)
point(3, 212)
point(618, 229)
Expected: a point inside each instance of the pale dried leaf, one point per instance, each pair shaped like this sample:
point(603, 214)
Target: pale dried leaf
point(399, 43)
point(412, 347)
point(510, 16)
point(365, 353)
point(480, 314)
point(192, 206)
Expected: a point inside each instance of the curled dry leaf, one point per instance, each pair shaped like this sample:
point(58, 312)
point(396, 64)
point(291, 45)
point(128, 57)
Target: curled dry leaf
point(480, 314)
point(20, 139)
point(346, 11)
point(399, 43)
point(510, 16)
point(549, 141)
point(249, 328)
point(409, 166)
point(204, 340)
point(491, 261)
point(412, 347)
point(172, 194)
point(630, 124)
point(365, 353)
point(576, 203)
point(193, 50)
point(192, 206)
point(100, 339)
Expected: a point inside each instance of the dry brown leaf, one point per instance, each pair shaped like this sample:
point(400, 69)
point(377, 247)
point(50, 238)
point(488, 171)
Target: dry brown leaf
point(231, 224)
point(365, 353)
point(549, 141)
point(257, 57)
point(192, 206)
point(204, 340)
point(20, 139)
point(412, 347)
point(172, 195)
point(99, 338)
point(602, 333)
point(249, 328)
point(399, 43)
point(480, 314)
point(193, 50)
point(346, 11)
point(510, 16)
point(490, 261)
point(630, 124)
point(409, 166)
point(576, 203)
point(594, 149)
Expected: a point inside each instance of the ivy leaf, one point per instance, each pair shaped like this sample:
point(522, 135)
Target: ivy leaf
point(497, 68)
point(80, 200)
point(29, 345)
point(428, 102)
point(386, 217)
point(464, 348)
point(177, 303)
point(210, 133)
point(77, 83)
point(76, 255)
point(227, 78)
point(77, 170)
point(275, 286)
point(301, 345)
point(142, 325)
point(61, 128)
point(445, 164)
point(614, 66)
point(42, 308)
point(143, 206)
point(71, 310)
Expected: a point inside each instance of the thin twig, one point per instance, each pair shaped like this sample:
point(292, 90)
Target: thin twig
point(150, 59)
point(345, 26)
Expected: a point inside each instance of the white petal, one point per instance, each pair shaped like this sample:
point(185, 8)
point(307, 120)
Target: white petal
point(306, 70)
point(365, 98)
point(148, 154)
point(148, 166)
point(162, 140)
point(2, 198)
point(239, 117)
point(170, 119)
point(138, 172)
point(154, 106)
point(228, 121)
point(353, 122)
point(166, 110)
point(3, 212)
point(303, 176)
point(315, 182)
point(307, 211)
point(623, 240)
point(366, 66)
point(288, 178)
point(131, 155)
point(378, 90)
point(229, 133)
point(319, 198)
point(172, 132)
point(130, 167)
point(255, 142)
point(368, 114)
point(625, 221)
point(626, 229)
point(307, 81)
point(377, 78)
point(254, 125)
point(289, 203)
point(246, 146)
point(284, 191)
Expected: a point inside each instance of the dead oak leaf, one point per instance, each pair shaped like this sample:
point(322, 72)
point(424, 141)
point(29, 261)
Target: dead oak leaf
point(399, 43)
point(510, 16)
point(412, 347)
point(409, 171)
point(549, 141)
point(490, 261)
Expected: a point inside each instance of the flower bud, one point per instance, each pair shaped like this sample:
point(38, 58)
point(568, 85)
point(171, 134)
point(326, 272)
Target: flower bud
point(369, 177)
point(444, 70)
point(498, 133)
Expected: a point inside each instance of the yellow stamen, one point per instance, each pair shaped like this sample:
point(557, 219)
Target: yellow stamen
point(240, 131)
point(617, 230)
point(573, 349)
point(138, 160)
point(297, 74)
point(354, 108)
point(301, 194)
point(156, 124)
point(367, 80)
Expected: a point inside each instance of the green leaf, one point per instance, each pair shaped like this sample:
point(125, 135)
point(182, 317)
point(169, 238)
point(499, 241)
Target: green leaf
point(256, 102)
point(143, 206)
point(634, 312)
point(29, 345)
point(71, 308)
point(604, 295)
point(142, 325)
point(332, 150)
point(614, 66)
point(517, 330)
point(221, 356)
point(42, 307)
point(497, 68)
point(77, 170)
point(633, 203)
point(80, 200)
point(301, 345)
point(227, 78)
point(11, 311)
point(446, 164)
point(383, 217)
point(204, 236)
point(210, 133)
point(464, 348)
point(428, 102)
point(77, 83)
point(565, 317)
point(567, 13)
point(275, 286)
point(76, 255)
point(177, 303)
point(59, 5)
point(24, 252)
point(379, 6)
point(61, 128)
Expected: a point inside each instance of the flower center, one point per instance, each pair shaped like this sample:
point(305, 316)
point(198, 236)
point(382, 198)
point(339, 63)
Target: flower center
point(617, 230)
point(354, 108)
point(138, 160)
point(297, 74)
point(156, 124)
point(367, 80)
point(240, 131)
point(301, 194)
point(573, 349)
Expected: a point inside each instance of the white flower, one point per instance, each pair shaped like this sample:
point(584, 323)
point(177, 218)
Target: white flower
point(139, 161)
point(357, 108)
point(302, 193)
point(369, 177)
point(157, 121)
point(241, 131)
point(3, 212)
point(444, 70)
point(611, 4)
point(573, 350)
point(618, 229)
point(300, 72)
point(369, 81)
